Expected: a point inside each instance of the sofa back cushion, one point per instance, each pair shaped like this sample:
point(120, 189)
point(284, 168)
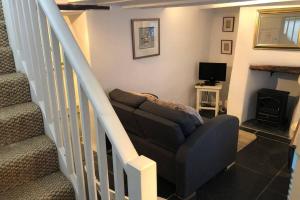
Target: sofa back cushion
point(127, 98)
point(160, 131)
point(127, 118)
point(184, 120)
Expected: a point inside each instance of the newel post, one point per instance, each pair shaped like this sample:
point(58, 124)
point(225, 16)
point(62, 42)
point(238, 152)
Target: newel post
point(142, 179)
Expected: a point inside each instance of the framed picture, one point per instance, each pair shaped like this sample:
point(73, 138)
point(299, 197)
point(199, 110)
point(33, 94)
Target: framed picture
point(226, 47)
point(145, 37)
point(278, 29)
point(228, 24)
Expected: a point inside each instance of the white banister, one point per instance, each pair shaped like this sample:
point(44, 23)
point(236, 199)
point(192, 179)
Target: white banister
point(46, 43)
point(90, 84)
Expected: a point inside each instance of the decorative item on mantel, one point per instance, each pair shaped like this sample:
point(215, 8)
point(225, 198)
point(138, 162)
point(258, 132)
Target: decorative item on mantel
point(145, 37)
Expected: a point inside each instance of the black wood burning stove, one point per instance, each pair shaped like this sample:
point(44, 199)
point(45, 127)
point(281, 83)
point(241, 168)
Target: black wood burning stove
point(271, 106)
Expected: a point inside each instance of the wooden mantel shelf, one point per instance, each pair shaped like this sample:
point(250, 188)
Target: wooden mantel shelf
point(275, 68)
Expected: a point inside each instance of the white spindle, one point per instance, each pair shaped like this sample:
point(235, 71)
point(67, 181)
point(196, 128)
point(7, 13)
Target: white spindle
point(102, 160)
point(118, 177)
point(25, 43)
point(86, 133)
point(39, 56)
point(65, 129)
point(19, 27)
point(75, 130)
point(50, 77)
point(8, 6)
point(34, 39)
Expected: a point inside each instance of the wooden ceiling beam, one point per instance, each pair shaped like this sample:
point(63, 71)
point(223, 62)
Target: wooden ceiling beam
point(82, 7)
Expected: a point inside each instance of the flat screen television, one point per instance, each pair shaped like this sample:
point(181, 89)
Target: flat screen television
point(212, 73)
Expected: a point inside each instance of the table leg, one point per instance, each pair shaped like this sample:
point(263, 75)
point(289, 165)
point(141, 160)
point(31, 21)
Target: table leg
point(197, 100)
point(217, 103)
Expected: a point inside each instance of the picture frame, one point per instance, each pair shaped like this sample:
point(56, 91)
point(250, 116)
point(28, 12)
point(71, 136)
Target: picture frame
point(145, 37)
point(277, 28)
point(228, 24)
point(226, 47)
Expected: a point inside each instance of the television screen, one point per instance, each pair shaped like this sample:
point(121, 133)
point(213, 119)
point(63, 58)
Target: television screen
point(212, 71)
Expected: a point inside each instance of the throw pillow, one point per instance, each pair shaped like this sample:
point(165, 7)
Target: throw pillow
point(181, 107)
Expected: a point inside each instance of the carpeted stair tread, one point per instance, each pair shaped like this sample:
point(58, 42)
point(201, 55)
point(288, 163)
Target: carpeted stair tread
point(7, 64)
point(26, 161)
point(20, 122)
point(28, 158)
point(51, 187)
point(3, 35)
point(14, 89)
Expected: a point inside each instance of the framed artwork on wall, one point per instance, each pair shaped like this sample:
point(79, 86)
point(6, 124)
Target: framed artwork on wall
point(228, 24)
point(145, 37)
point(278, 29)
point(226, 47)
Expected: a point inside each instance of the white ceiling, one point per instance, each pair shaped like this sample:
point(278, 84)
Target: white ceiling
point(171, 3)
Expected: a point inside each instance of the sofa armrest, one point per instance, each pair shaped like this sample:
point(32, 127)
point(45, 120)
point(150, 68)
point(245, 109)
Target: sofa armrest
point(210, 149)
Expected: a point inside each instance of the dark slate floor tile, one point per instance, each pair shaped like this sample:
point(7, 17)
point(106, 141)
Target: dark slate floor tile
point(264, 156)
point(281, 183)
point(164, 188)
point(271, 195)
point(235, 184)
point(251, 178)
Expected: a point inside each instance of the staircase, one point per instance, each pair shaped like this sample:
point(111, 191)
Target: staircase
point(40, 43)
point(28, 158)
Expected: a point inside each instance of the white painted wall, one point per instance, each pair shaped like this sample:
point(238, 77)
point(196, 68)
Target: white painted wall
point(215, 42)
point(245, 83)
point(185, 41)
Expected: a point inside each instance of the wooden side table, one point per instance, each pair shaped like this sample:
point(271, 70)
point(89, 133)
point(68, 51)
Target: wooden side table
point(211, 89)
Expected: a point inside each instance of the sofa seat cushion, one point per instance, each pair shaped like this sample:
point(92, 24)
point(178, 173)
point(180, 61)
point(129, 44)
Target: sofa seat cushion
point(127, 98)
point(185, 121)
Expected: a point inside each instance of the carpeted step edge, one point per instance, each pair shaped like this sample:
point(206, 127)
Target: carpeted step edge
point(26, 161)
point(7, 62)
point(14, 89)
point(54, 186)
point(3, 34)
point(20, 122)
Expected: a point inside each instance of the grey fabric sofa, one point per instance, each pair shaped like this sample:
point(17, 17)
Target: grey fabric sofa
point(187, 153)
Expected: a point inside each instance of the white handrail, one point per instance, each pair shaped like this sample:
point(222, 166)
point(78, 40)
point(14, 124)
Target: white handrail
point(95, 93)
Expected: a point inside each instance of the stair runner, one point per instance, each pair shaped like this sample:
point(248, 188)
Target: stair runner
point(28, 158)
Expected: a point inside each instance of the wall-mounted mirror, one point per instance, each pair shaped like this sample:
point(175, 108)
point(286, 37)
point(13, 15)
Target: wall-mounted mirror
point(278, 28)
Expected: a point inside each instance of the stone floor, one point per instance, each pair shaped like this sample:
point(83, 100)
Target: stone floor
point(260, 173)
